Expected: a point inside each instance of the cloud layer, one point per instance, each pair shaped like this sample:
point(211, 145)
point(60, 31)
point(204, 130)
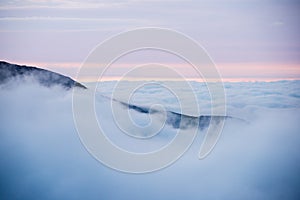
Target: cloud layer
point(43, 158)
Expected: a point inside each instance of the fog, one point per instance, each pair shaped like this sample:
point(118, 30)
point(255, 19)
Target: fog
point(42, 156)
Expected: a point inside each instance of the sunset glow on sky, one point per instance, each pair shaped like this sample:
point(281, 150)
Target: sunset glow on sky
point(247, 39)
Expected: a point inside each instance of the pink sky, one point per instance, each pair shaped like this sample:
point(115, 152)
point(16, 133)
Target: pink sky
point(228, 71)
point(247, 39)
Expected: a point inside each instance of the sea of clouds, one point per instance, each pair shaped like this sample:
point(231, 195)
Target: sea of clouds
point(42, 156)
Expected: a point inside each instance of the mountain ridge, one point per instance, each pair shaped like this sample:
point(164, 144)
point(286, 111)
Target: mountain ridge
point(47, 78)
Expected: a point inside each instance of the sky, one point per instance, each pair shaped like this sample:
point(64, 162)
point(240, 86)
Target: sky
point(247, 39)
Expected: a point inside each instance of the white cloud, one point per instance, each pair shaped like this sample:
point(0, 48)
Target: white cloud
point(68, 4)
point(277, 23)
point(42, 157)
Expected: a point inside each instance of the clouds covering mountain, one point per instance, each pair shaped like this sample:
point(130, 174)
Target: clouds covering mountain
point(42, 156)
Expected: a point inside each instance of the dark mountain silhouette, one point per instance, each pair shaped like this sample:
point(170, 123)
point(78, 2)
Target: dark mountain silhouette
point(178, 120)
point(45, 77)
